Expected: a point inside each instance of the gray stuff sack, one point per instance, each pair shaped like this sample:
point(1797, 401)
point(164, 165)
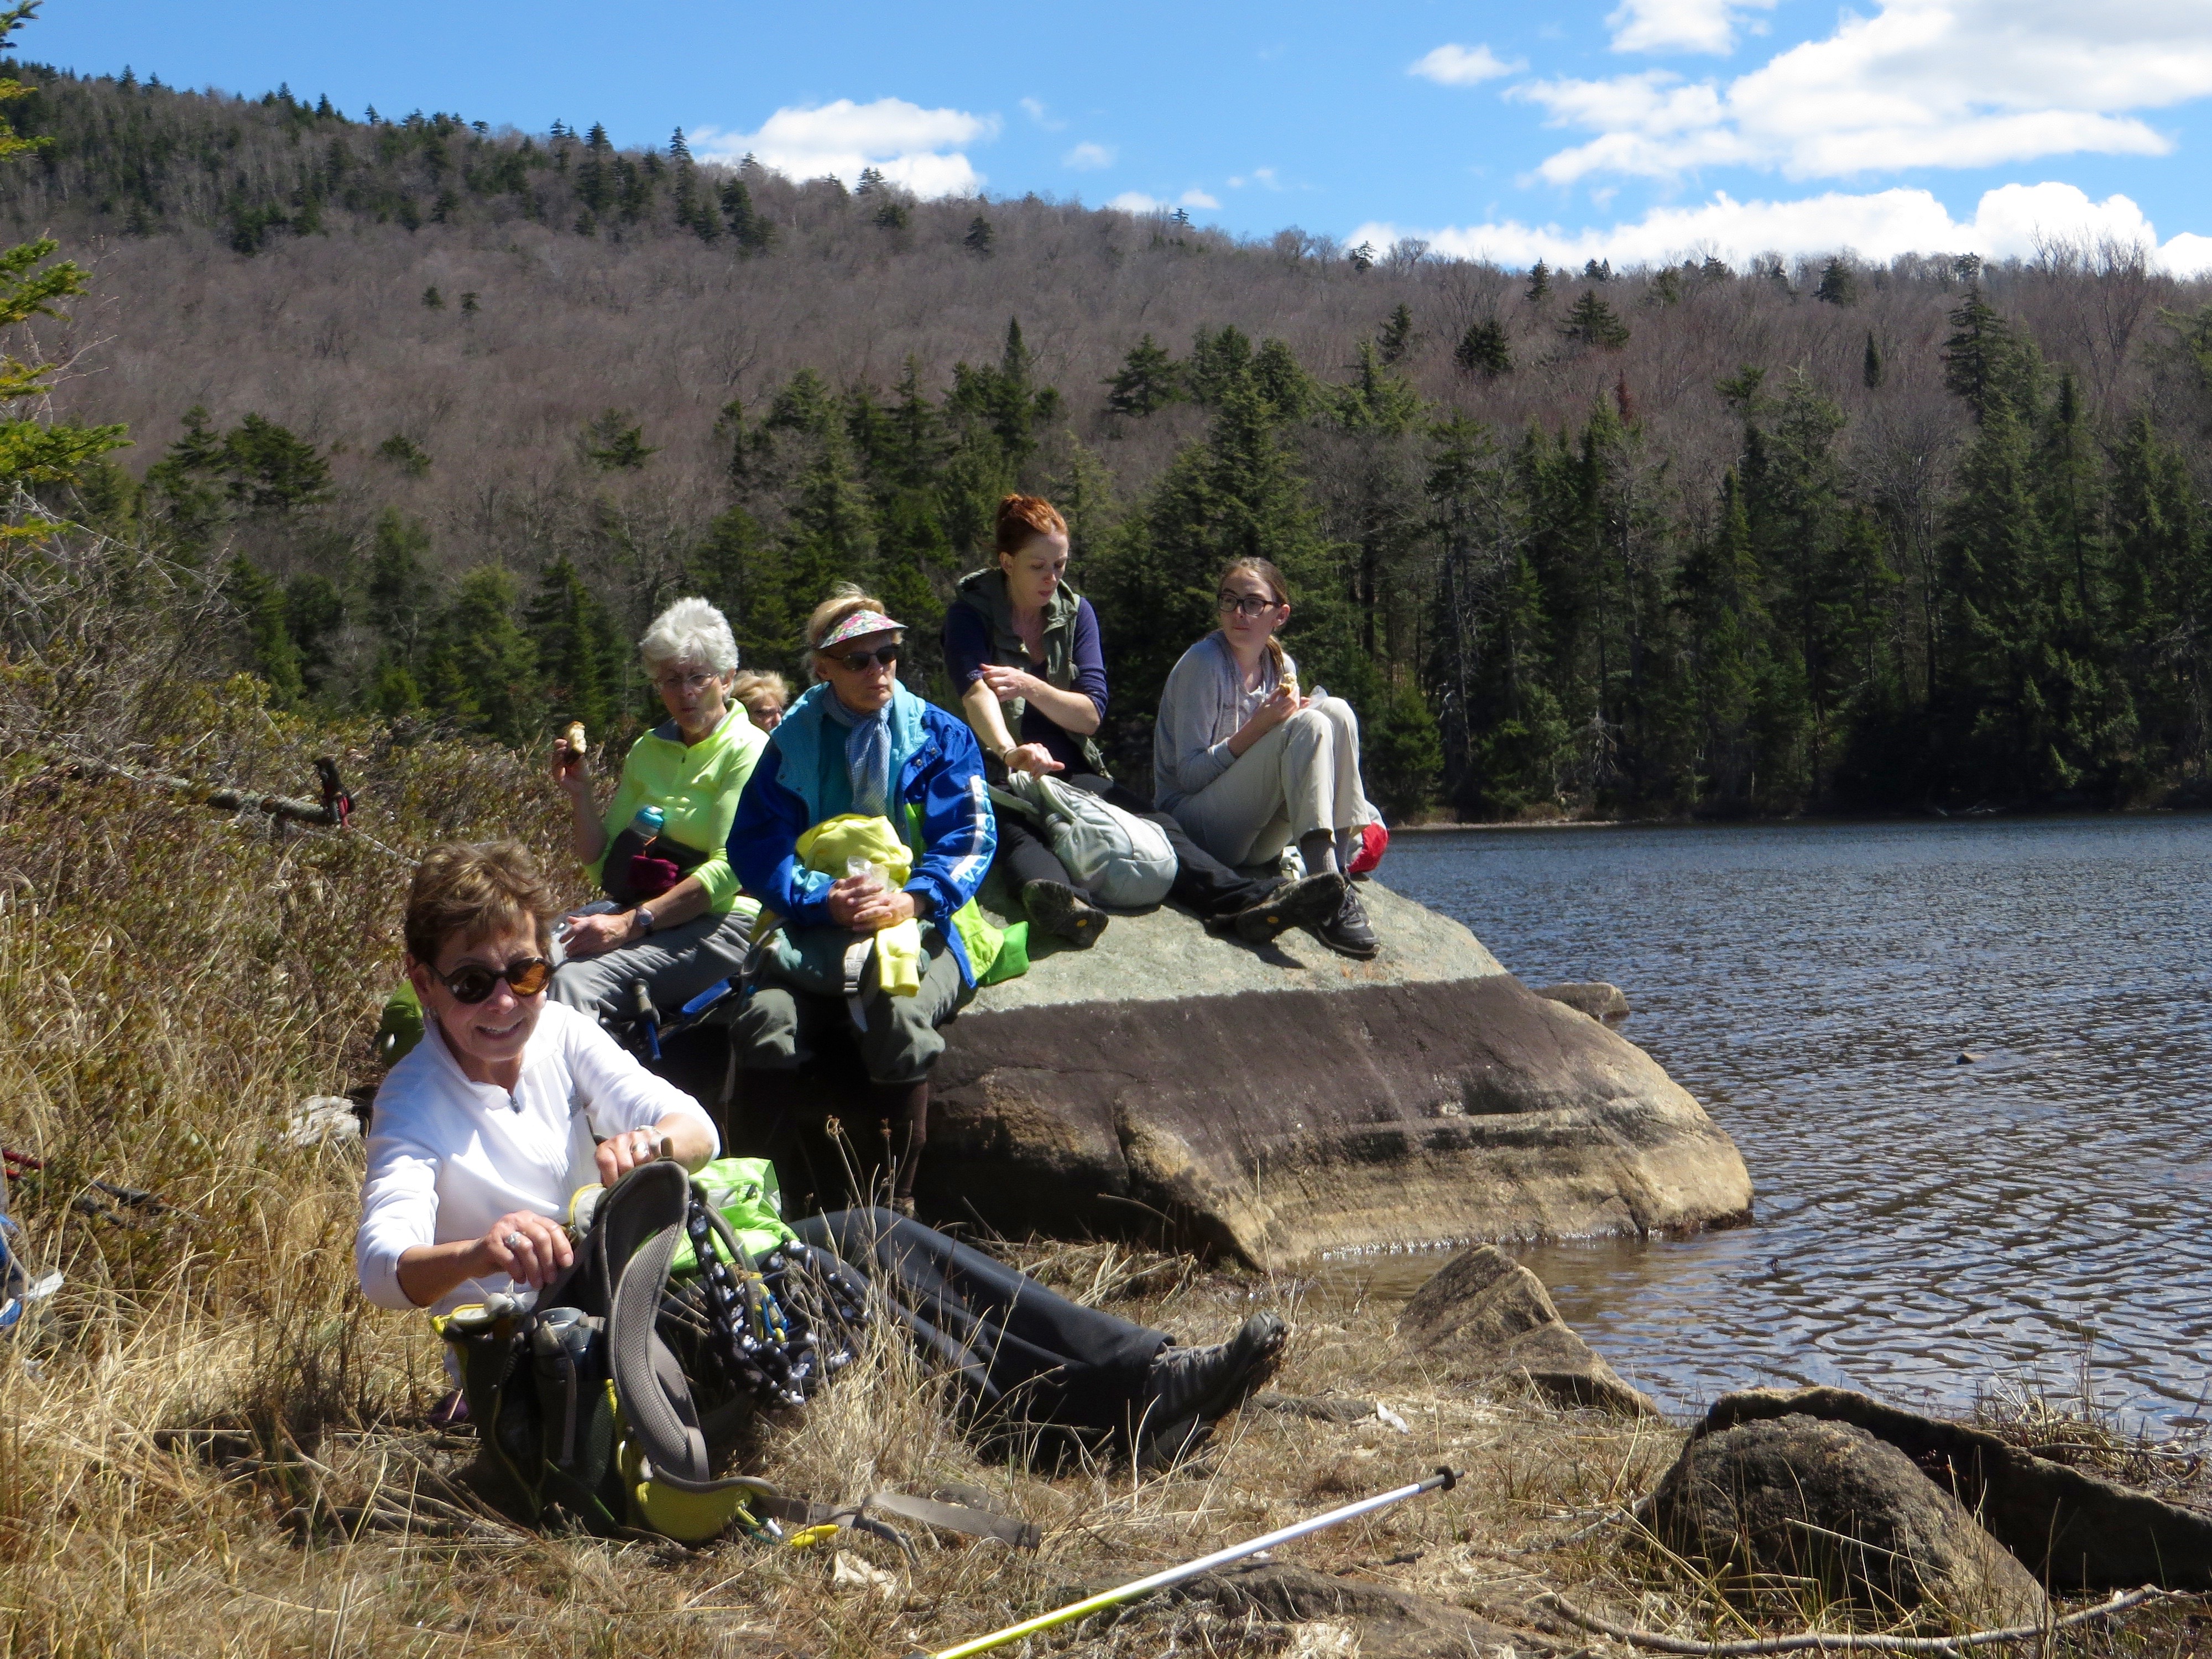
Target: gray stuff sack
point(1116, 857)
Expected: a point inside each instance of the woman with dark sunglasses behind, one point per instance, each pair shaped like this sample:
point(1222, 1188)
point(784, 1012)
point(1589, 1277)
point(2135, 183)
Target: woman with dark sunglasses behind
point(858, 742)
point(510, 1102)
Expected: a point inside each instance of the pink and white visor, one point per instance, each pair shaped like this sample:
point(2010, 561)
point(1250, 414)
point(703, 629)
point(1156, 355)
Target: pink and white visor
point(860, 623)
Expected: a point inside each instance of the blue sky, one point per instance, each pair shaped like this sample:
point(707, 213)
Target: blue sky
point(1634, 130)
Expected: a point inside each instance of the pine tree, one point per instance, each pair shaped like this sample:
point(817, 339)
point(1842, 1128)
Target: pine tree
point(483, 672)
point(1870, 366)
point(1394, 340)
point(1484, 349)
point(595, 177)
point(314, 616)
point(1149, 379)
point(1597, 271)
point(1840, 284)
point(270, 652)
point(614, 441)
point(1220, 360)
point(1985, 362)
point(1540, 283)
point(400, 596)
point(577, 654)
point(979, 238)
point(1593, 322)
point(432, 299)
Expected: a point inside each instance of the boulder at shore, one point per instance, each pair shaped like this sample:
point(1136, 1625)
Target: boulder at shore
point(1484, 1316)
point(1273, 1104)
point(1797, 1497)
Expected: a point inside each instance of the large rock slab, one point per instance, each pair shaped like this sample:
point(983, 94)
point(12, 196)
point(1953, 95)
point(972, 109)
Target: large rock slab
point(1797, 1497)
point(2075, 1530)
point(1483, 1316)
point(1274, 1104)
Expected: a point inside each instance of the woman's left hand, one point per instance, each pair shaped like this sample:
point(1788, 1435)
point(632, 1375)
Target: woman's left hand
point(1007, 683)
point(592, 936)
point(618, 1157)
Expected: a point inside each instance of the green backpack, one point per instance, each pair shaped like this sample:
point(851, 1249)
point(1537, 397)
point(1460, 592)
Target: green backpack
point(605, 1406)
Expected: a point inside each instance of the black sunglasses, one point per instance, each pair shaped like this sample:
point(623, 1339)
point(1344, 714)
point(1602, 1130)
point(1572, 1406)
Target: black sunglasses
point(856, 662)
point(526, 976)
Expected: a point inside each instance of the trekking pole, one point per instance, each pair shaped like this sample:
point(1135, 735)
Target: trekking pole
point(1442, 1480)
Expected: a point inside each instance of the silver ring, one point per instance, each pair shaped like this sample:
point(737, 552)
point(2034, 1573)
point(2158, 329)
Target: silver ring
point(515, 1241)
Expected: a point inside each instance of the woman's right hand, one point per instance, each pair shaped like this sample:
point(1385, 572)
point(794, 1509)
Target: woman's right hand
point(1031, 757)
point(570, 771)
point(525, 1246)
point(1277, 706)
point(594, 936)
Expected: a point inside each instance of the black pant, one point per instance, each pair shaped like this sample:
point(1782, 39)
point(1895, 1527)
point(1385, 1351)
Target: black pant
point(1202, 882)
point(1022, 1352)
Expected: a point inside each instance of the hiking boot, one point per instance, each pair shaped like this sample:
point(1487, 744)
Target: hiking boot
point(1349, 932)
point(1307, 903)
point(1060, 910)
point(1188, 1388)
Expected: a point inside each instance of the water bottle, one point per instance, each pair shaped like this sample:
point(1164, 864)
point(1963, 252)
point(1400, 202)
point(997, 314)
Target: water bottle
point(647, 822)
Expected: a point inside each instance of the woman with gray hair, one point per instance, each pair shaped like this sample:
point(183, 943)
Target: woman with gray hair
point(659, 852)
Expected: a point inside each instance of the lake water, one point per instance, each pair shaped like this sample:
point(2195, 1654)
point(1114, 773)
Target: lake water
point(1924, 1227)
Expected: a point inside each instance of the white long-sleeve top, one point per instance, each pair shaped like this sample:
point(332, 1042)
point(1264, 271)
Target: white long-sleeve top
point(447, 1156)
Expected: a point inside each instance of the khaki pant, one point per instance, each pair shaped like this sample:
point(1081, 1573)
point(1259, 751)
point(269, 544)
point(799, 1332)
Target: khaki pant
point(1302, 777)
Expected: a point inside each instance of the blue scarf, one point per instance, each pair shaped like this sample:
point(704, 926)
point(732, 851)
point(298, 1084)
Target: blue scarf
point(868, 754)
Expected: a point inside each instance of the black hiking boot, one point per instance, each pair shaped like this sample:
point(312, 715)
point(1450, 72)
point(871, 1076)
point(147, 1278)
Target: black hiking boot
point(1307, 903)
point(1349, 932)
point(1057, 908)
point(1188, 1388)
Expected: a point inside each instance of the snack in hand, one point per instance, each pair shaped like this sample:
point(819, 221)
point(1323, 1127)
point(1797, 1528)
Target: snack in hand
point(574, 737)
point(1291, 684)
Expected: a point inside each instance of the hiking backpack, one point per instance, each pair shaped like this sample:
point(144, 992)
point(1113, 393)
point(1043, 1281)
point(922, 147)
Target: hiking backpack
point(605, 1405)
point(1114, 856)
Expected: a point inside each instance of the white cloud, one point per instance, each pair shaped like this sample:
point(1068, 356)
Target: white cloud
point(2008, 220)
point(1465, 66)
point(1264, 177)
point(1679, 25)
point(1035, 109)
point(1088, 157)
point(1920, 83)
point(921, 150)
point(1135, 201)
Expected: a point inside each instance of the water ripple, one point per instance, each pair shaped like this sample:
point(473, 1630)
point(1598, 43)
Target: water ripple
point(1924, 1225)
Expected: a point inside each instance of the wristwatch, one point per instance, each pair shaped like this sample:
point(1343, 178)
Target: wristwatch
point(645, 923)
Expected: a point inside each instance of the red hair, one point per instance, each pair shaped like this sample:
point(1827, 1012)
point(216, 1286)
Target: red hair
point(1022, 518)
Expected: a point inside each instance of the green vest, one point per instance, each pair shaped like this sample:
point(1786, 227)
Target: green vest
point(984, 592)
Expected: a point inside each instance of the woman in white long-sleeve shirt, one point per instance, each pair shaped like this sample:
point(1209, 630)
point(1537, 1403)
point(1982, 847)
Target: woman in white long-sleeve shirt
point(1247, 765)
point(486, 1129)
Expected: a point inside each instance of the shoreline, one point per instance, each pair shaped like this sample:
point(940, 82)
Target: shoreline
point(1810, 820)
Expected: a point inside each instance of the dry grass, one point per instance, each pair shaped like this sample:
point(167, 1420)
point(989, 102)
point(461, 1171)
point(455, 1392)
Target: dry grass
point(209, 1445)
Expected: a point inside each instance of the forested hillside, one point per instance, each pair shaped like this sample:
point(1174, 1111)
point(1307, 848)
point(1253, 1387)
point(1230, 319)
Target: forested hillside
point(450, 411)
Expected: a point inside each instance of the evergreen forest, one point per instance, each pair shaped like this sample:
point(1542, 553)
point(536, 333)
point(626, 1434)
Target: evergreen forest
point(446, 412)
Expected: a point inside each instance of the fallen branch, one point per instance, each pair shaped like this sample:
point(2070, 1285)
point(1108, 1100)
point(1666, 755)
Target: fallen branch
point(1814, 1642)
point(330, 811)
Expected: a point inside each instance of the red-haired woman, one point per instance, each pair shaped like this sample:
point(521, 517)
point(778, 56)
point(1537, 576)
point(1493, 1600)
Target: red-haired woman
point(1247, 765)
point(1023, 648)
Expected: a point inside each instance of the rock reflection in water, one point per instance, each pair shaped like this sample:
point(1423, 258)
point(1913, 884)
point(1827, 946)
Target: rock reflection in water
point(1923, 1226)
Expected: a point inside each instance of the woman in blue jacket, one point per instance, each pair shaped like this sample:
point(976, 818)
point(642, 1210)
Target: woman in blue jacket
point(860, 742)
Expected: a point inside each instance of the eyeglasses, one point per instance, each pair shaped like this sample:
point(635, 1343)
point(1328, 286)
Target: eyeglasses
point(472, 983)
point(1250, 606)
point(691, 682)
point(856, 662)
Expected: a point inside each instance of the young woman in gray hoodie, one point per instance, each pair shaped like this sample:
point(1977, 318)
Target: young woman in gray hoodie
point(1247, 765)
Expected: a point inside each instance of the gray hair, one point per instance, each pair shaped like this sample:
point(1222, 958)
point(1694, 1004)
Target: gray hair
point(693, 631)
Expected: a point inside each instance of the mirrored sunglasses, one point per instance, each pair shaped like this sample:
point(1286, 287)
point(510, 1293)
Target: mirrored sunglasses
point(473, 982)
